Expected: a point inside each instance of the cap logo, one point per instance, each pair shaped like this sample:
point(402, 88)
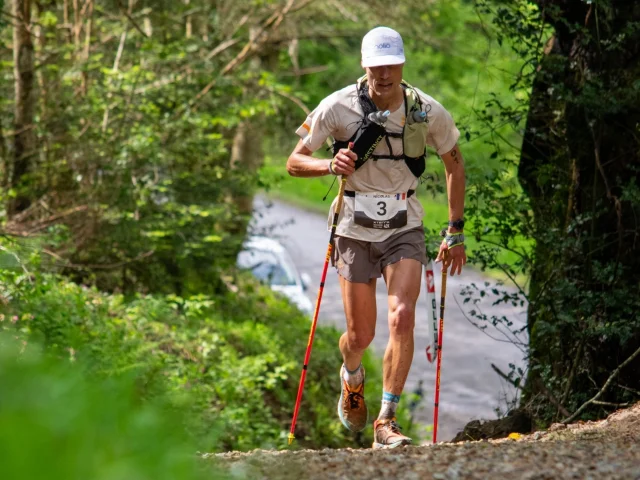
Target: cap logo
point(383, 45)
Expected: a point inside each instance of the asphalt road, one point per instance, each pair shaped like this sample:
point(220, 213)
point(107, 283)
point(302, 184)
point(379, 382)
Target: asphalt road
point(469, 387)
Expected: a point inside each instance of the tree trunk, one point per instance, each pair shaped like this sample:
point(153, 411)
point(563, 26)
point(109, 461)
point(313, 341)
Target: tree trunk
point(247, 154)
point(579, 166)
point(4, 161)
point(87, 45)
point(24, 139)
point(43, 163)
point(188, 25)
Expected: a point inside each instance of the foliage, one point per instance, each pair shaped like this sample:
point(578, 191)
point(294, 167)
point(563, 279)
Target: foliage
point(60, 423)
point(583, 303)
point(134, 137)
point(126, 159)
point(129, 173)
point(230, 362)
point(143, 121)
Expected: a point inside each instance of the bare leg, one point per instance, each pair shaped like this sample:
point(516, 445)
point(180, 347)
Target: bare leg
point(359, 301)
point(403, 286)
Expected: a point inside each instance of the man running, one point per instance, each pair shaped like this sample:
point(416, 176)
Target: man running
point(379, 230)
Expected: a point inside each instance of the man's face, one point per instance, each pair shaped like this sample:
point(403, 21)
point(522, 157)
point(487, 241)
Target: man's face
point(384, 80)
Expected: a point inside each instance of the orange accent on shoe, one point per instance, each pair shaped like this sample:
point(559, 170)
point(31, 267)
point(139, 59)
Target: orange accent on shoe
point(386, 434)
point(352, 409)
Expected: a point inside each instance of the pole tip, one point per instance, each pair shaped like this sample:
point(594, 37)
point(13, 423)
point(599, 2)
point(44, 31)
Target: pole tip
point(291, 438)
point(351, 145)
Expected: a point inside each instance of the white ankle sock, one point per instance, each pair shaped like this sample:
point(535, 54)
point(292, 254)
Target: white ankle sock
point(389, 405)
point(355, 377)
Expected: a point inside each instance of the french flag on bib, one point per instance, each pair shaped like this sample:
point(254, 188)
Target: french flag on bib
point(402, 196)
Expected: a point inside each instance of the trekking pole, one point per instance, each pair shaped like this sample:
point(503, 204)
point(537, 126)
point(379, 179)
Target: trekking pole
point(303, 375)
point(432, 324)
point(443, 294)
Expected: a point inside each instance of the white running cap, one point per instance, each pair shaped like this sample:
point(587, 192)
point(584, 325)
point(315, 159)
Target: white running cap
point(382, 46)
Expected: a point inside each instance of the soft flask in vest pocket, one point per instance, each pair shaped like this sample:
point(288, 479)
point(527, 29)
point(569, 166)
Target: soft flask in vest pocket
point(414, 135)
point(414, 140)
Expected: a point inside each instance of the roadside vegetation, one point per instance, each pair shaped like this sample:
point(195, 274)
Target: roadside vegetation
point(229, 364)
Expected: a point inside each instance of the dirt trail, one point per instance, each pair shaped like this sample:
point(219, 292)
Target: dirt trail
point(608, 449)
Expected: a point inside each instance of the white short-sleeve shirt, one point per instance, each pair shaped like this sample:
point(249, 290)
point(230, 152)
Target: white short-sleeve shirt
point(338, 116)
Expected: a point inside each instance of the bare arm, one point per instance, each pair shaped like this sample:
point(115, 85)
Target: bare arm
point(454, 169)
point(301, 163)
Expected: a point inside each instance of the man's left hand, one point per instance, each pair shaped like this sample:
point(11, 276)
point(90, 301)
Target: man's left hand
point(456, 257)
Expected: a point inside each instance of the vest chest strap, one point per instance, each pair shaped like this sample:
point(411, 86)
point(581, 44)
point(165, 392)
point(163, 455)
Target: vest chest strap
point(352, 193)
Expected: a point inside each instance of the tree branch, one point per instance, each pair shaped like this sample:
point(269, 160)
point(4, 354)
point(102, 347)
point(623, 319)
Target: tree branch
point(609, 404)
point(116, 63)
point(14, 255)
point(272, 22)
point(306, 71)
point(39, 225)
point(613, 375)
point(295, 100)
point(506, 377)
point(517, 343)
point(108, 266)
point(221, 47)
point(547, 393)
point(610, 195)
point(130, 18)
point(574, 368)
point(343, 11)
point(636, 392)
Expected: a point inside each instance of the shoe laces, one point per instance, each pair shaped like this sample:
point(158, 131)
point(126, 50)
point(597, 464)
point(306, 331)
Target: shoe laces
point(354, 399)
point(392, 426)
point(395, 428)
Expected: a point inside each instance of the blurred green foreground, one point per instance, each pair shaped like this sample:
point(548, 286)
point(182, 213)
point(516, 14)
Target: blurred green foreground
point(99, 386)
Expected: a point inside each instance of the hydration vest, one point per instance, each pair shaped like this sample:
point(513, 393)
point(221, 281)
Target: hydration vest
point(369, 134)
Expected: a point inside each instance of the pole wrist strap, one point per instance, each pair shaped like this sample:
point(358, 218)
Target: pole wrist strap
point(453, 239)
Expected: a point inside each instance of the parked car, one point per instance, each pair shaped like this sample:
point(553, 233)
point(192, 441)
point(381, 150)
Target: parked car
point(270, 262)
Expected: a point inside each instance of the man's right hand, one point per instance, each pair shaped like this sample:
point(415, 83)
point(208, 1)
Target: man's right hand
point(344, 163)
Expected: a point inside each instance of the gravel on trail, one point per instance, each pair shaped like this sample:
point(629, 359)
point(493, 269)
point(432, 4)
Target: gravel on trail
point(606, 449)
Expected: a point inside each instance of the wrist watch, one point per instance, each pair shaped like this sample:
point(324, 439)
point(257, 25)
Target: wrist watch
point(459, 224)
point(331, 171)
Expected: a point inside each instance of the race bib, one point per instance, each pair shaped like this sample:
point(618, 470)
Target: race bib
point(380, 210)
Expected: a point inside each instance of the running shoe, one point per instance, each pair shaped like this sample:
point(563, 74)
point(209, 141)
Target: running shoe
point(352, 408)
point(386, 434)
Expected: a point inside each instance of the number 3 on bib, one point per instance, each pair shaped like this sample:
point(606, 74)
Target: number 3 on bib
point(380, 210)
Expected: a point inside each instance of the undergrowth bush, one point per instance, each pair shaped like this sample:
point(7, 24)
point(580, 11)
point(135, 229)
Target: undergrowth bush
point(230, 364)
point(58, 423)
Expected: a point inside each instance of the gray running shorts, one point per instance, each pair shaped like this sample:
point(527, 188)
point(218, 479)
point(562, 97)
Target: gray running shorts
point(359, 261)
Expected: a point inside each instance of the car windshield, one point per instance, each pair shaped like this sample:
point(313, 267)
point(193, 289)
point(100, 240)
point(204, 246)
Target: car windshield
point(268, 267)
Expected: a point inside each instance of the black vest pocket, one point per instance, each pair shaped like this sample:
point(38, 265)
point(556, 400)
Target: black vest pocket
point(416, 165)
point(366, 141)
